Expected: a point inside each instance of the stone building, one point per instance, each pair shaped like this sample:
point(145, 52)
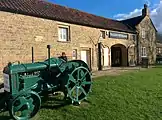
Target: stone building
point(146, 35)
point(159, 45)
point(159, 49)
point(99, 41)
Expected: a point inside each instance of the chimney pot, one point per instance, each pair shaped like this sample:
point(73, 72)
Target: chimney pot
point(145, 11)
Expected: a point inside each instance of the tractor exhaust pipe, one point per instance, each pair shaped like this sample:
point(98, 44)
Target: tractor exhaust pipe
point(49, 47)
point(32, 55)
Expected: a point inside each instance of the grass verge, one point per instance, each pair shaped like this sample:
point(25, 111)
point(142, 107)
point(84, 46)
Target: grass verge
point(130, 96)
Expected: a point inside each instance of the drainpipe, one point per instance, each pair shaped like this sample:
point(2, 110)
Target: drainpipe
point(138, 49)
point(99, 56)
point(127, 56)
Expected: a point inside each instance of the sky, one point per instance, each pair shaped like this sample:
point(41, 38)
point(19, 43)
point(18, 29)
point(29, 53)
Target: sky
point(117, 9)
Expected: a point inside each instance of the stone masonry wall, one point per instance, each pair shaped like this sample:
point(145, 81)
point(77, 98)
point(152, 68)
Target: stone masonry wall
point(150, 39)
point(127, 43)
point(19, 33)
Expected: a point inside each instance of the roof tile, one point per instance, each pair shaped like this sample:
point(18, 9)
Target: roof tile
point(40, 8)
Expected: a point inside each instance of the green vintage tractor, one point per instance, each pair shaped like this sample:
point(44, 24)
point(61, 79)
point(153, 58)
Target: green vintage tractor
point(26, 84)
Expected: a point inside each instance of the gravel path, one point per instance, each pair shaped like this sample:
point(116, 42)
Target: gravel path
point(115, 71)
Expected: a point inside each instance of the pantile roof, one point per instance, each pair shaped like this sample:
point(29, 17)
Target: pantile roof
point(44, 9)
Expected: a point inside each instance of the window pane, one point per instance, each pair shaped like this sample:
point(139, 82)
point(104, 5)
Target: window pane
point(60, 36)
point(134, 37)
point(64, 30)
point(74, 54)
point(63, 34)
point(60, 33)
point(143, 51)
point(103, 34)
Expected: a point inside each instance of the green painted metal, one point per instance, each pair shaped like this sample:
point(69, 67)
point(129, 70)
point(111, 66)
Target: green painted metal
point(79, 84)
point(25, 84)
point(25, 105)
point(29, 67)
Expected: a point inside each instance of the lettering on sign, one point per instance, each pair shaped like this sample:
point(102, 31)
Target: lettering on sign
point(118, 35)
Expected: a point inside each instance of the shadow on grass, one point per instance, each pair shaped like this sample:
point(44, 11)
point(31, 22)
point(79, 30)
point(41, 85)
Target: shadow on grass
point(50, 102)
point(4, 115)
point(158, 66)
point(57, 103)
point(54, 103)
point(5, 118)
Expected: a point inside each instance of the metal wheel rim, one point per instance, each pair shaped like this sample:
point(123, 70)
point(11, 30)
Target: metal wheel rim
point(26, 105)
point(79, 85)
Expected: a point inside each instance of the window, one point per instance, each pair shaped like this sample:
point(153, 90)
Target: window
point(74, 54)
point(158, 50)
point(134, 37)
point(143, 33)
point(63, 33)
point(143, 52)
point(103, 36)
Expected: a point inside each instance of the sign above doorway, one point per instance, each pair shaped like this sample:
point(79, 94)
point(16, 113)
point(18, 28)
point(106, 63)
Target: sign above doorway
point(118, 35)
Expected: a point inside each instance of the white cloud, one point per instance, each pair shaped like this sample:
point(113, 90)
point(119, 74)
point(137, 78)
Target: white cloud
point(135, 13)
point(156, 16)
point(155, 13)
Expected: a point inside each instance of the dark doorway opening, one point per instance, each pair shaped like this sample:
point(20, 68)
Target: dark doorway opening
point(116, 56)
point(119, 56)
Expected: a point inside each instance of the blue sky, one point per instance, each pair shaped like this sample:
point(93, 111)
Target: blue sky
point(116, 9)
point(106, 8)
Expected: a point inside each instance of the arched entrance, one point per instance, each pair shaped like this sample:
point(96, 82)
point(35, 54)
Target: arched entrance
point(119, 55)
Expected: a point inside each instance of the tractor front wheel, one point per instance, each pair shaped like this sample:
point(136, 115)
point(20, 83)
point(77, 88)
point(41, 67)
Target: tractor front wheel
point(25, 106)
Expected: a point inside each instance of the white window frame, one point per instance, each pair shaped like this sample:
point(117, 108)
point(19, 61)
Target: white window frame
point(102, 31)
point(143, 52)
point(134, 37)
point(63, 33)
point(74, 54)
point(143, 33)
point(158, 50)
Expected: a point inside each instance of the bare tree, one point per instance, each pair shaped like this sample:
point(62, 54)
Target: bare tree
point(131, 48)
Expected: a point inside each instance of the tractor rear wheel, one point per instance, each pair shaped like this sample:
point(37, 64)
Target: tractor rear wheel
point(79, 84)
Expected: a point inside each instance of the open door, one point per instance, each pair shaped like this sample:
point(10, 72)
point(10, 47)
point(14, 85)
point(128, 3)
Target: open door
point(86, 57)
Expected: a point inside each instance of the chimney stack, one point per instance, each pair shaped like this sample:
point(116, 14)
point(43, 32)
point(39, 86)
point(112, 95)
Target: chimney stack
point(145, 11)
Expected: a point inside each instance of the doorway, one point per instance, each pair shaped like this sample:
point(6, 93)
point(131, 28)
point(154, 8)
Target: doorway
point(86, 57)
point(118, 55)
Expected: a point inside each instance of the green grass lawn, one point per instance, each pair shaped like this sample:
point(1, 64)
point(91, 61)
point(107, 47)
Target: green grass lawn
point(130, 96)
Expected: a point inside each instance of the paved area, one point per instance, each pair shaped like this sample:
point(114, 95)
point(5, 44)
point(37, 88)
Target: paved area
point(115, 71)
